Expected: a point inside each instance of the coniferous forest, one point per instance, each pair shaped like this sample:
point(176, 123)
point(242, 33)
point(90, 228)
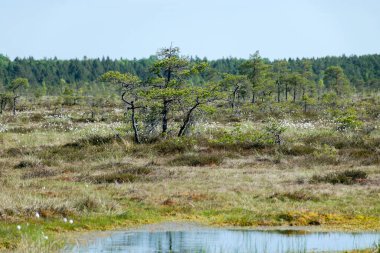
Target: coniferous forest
point(363, 72)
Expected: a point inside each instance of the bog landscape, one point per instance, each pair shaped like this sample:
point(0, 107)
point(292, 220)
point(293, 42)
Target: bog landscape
point(101, 144)
point(189, 126)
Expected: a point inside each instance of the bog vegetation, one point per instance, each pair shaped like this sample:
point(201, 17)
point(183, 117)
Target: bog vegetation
point(108, 143)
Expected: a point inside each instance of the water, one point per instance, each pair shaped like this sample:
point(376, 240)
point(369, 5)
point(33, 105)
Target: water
point(191, 238)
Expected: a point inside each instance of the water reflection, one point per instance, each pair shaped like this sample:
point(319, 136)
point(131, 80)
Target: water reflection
point(225, 240)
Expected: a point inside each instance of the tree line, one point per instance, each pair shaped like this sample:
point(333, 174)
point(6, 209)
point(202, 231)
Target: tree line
point(165, 92)
point(363, 72)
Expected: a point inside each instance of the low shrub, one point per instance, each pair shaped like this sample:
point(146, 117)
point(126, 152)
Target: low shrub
point(347, 177)
point(39, 173)
point(299, 195)
point(239, 138)
point(27, 164)
point(175, 145)
point(197, 160)
point(125, 176)
point(326, 154)
point(298, 150)
point(88, 204)
point(14, 152)
point(348, 120)
point(36, 117)
point(97, 140)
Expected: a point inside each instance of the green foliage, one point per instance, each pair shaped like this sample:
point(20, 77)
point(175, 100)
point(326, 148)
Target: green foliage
point(335, 79)
point(175, 145)
point(348, 120)
point(275, 129)
point(242, 138)
point(330, 98)
point(18, 83)
point(257, 71)
point(362, 71)
point(116, 77)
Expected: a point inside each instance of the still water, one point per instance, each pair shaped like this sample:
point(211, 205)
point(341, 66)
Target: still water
point(192, 238)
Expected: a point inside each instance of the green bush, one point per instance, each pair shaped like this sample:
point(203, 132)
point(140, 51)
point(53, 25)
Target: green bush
point(249, 138)
point(348, 120)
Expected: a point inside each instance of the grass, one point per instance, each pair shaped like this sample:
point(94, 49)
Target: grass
point(78, 169)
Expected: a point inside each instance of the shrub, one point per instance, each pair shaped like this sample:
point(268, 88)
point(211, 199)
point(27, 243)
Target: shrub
point(124, 176)
point(249, 138)
point(299, 195)
point(97, 140)
point(275, 129)
point(197, 160)
point(345, 177)
point(14, 152)
point(36, 117)
point(175, 145)
point(39, 173)
point(88, 204)
point(298, 150)
point(348, 120)
point(27, 164)
point(326, 154)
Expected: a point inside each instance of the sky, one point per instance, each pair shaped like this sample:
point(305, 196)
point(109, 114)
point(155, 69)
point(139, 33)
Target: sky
point(206, 28)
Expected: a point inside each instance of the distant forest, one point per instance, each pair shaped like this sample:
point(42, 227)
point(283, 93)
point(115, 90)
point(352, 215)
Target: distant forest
point(363, 72)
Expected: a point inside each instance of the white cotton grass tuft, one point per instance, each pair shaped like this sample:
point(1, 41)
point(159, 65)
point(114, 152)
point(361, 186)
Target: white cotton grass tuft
point(71, 221)
point(64, 220)
point(18, 227)
point(44, 236)
point(37, 215)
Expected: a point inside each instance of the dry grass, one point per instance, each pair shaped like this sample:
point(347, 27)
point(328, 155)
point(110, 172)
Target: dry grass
point(86, 171)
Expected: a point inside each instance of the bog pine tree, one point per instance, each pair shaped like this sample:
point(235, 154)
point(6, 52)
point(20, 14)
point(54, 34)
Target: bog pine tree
point(15, 88)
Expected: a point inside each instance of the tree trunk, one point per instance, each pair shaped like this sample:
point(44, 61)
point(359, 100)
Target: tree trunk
point(234, 97)
point(253, 98)
point(286, 92)
point(134, 125)
point(187, 120)
point(165, 112)
point(14, 106)
point(2, 105)
point(337, 87)
point(165, 109)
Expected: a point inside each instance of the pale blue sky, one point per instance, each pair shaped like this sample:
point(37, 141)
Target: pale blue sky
point(211, 28)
